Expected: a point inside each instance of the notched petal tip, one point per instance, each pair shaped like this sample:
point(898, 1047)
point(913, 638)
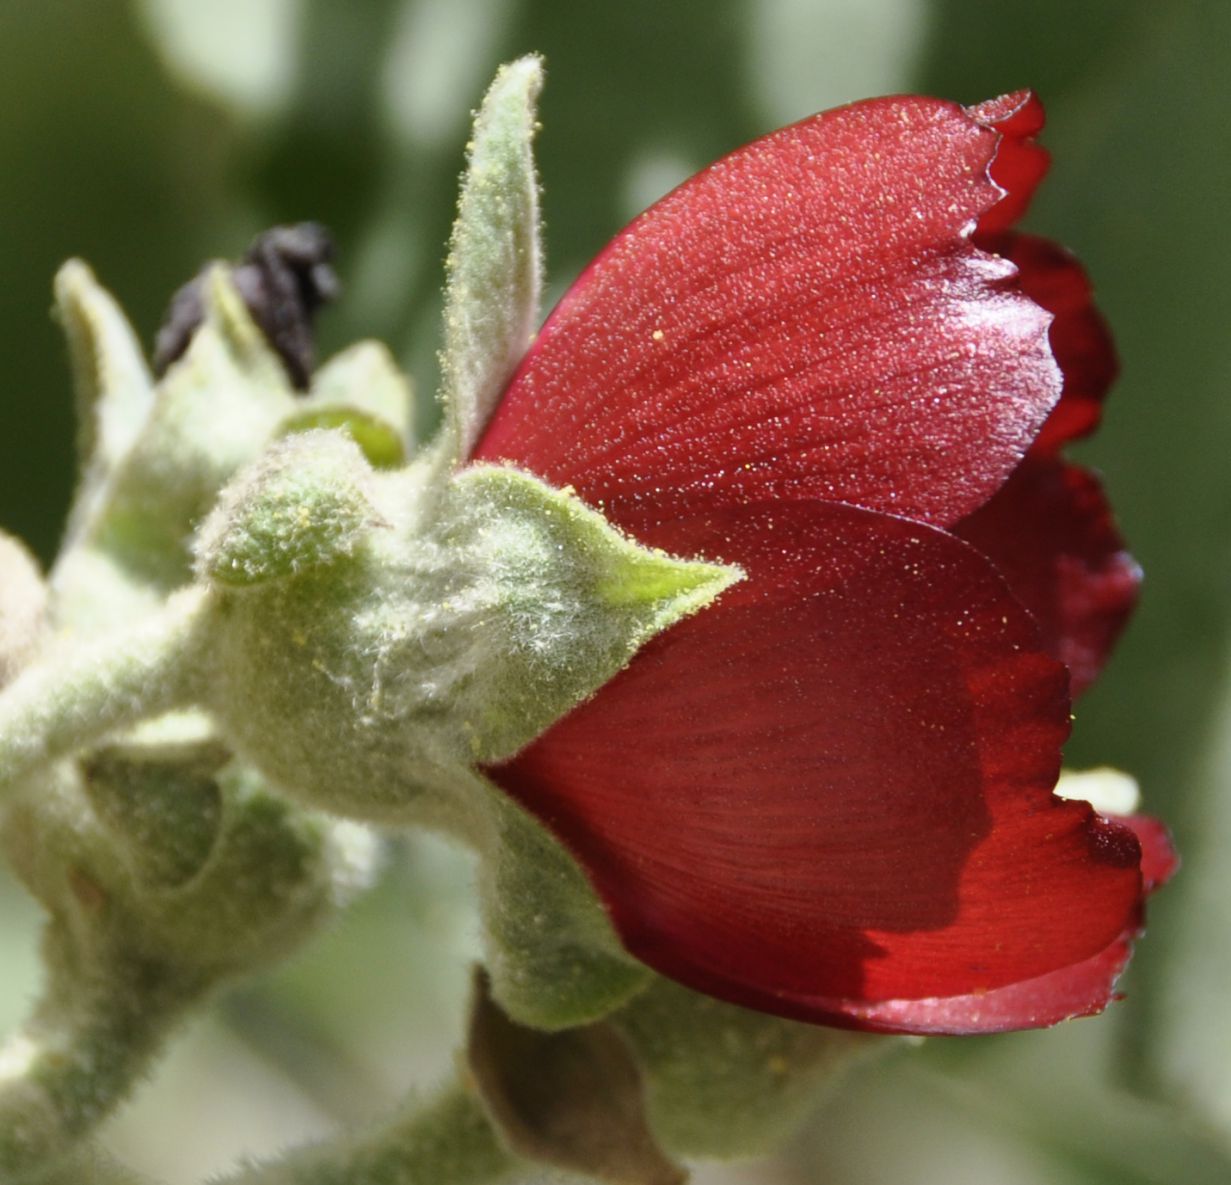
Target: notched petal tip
point(1018, 164)
point(1018, 113)
point(1159, 859)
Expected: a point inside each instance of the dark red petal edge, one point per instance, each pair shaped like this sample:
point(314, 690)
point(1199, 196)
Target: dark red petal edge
point(1159, 859)
point(1083, 989)
point(835, 783)
point(1079, 336)
point(806, 318)
point(1051, 533)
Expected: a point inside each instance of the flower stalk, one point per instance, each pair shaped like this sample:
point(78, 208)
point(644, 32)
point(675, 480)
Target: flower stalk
point(88, 1041)
point(63, 704)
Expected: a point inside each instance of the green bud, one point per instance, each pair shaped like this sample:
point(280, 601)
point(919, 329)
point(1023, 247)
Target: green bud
point(215, 410)
point(362, 392)
point(724, 1082)
point(303, 505)
point(495, 258)
point(162, 803)
point(457, 635)
point(136, 936)
point(249, 876)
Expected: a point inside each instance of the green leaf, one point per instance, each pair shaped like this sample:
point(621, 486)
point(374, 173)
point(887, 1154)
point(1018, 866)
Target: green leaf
point(494, 266)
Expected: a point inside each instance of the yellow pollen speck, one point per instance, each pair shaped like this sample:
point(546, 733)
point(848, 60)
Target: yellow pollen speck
point(658, 335)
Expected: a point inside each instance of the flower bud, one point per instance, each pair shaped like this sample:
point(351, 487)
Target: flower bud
point(463, 622)
point(724, 1082)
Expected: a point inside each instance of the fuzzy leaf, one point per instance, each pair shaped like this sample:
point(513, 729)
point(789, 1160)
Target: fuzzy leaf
point(494, 265)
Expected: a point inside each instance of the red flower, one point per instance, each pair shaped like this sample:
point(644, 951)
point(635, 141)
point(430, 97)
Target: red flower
point(829, 796)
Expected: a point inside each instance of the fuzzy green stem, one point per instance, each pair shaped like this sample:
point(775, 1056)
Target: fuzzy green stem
point(73, 698)
point(448, 1140)
point(90, 1166)
point(88, 1042)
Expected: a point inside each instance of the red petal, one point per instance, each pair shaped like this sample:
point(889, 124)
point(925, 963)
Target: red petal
point(1080, 339)
point(1019, 164)
point(836, 782)
point(1080, 990)
point(1159, 860)
point(1051, 533)
point(807, 318)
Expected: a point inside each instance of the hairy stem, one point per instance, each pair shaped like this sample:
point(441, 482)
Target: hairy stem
point(447, 1140)
point(89, 1040)
point(74, 698)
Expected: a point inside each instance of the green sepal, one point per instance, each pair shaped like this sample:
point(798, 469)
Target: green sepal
point(305, 504)
point(365, 376)
point(494, 268)
point(724, 1082)
point(216, 408)
point(567, 601)
point(114, 389)
point(554, 959)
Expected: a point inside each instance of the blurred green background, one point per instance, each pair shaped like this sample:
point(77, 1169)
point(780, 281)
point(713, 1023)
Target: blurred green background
point(148, 135)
